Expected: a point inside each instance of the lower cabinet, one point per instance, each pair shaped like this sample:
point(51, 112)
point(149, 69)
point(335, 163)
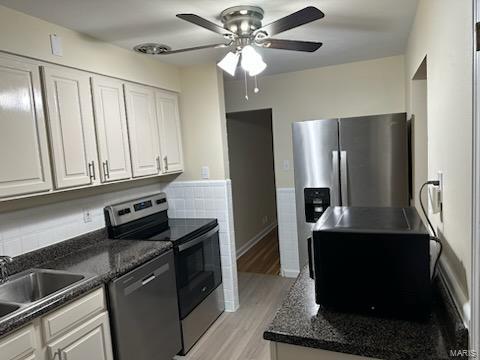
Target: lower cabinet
point(77, 331)
point(89, 341)
point(21, 345)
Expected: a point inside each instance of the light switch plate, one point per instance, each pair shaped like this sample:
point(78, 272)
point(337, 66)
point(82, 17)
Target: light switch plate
point(205, 172)
point(56, 43)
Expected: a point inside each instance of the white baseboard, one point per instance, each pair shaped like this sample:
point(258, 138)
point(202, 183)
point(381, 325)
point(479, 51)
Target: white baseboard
point(290, 273)
point(459, 297)
point(251, 243)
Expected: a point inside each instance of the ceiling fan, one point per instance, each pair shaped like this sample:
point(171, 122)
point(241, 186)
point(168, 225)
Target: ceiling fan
point(243, 30)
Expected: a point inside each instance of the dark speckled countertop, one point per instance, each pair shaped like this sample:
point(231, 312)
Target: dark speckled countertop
point(300, 321)
point(94, 254)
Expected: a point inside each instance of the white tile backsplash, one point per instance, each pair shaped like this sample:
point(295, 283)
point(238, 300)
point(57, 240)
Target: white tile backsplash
point(287, 232)
point(30, 229)
point(211, 199)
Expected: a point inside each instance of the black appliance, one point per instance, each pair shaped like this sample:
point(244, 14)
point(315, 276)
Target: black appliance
point(196, 250)
point(373, 260)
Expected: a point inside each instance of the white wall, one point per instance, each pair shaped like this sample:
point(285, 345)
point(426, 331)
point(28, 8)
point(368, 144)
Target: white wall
point(355, 89)
point(253, 179)
point(442, 32)
point(25, 35)
point(203, 122)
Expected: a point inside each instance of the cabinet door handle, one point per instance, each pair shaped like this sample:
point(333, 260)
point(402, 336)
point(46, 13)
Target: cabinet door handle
point(57, 353)
point(91, 170)
point(165, 160)
point(159, 167)
point(106, 172)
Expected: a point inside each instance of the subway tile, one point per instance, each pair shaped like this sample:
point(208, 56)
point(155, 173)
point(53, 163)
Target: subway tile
point(199, 204)
point(189, 204)
point(201, 214)
point(209, 204)
point(198, 191)
point(189, 192)
point(12, 247)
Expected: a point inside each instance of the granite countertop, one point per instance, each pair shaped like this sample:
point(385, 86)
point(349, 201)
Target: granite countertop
point(300, 321)
point(93, 254)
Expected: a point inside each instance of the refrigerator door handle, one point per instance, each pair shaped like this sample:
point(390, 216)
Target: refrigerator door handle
point(335, 180)
point(344, 177)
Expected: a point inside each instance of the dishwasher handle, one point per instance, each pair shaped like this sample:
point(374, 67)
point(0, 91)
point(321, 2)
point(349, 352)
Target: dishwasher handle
point(146, 280)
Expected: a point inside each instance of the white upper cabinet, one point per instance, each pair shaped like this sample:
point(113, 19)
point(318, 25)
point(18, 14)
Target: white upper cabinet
point(111, 126)
point(24, 160)
point(71, 126)
point(142, 130)
point(169, 131)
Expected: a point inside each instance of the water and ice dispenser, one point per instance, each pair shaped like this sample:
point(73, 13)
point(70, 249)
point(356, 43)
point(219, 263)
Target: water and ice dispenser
point(317, 200)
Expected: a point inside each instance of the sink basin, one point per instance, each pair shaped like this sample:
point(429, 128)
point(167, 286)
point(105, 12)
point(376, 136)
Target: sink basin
point(6, 309)
point(35, 285)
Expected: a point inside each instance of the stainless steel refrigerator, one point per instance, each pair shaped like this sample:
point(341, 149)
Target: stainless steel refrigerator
point(360, 161)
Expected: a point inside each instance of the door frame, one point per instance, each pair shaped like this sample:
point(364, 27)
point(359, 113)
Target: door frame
point(474, 328)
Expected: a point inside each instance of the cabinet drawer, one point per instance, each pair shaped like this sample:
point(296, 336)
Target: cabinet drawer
point(20, 343)
point(69, 316)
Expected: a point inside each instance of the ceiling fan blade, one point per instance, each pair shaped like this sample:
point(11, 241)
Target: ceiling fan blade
point(308, 46)
point(291, 21)
point(197, 20)
point(216, 46)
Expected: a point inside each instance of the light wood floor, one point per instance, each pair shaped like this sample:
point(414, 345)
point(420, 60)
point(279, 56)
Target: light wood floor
point(264, 257)
point(238, 335)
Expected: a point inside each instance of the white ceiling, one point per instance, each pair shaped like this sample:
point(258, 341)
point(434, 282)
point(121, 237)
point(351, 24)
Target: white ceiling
point(352, 30)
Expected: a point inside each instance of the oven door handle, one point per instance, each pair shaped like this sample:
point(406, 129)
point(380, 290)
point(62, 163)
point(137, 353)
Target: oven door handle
point(198, 240)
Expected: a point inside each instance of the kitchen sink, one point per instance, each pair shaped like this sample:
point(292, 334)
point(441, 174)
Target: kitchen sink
point(6, 309)
point(34, 285)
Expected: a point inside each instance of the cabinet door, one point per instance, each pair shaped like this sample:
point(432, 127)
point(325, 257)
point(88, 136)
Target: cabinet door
point(21, 345)
point(111, 126)
point(24, 164)
point(169, 131)
point(71, 126)
point(142, 130)
point(90, 340)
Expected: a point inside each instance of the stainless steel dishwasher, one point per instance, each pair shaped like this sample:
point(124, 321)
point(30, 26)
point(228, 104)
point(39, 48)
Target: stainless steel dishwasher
point(144, 312)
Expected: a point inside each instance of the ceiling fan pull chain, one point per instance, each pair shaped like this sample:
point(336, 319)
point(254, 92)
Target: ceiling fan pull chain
point(256, 90)
point(246, 85)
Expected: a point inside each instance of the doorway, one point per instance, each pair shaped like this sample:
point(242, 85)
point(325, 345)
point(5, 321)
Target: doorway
point(250, 151)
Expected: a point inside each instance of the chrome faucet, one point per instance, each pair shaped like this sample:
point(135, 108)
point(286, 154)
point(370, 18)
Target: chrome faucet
point(4, 261)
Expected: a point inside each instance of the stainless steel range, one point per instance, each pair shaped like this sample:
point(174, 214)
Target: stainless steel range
point(196, 251)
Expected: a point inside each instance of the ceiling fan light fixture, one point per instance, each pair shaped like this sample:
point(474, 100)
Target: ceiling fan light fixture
point(252, 61)
point(152, 48)
point(229, 63)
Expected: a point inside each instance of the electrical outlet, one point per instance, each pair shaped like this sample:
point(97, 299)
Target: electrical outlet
point(265, 220)
point(436, 196)
point(440, 189)
point(87, 215)
point(286, 165)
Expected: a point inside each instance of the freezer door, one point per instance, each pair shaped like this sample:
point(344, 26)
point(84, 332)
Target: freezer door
point(374, 165)
point(316, 164)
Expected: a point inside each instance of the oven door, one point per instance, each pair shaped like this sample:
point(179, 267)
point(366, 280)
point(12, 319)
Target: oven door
point(198, 270)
